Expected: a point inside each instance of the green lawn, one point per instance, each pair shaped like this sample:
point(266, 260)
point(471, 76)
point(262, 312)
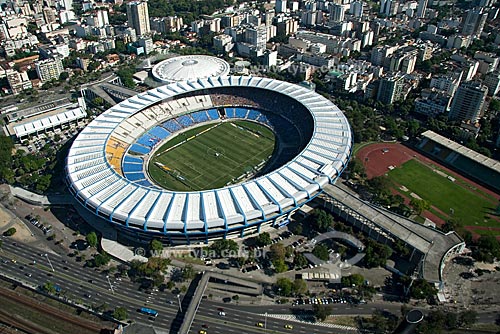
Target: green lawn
point(214, 158)
point(470, 208)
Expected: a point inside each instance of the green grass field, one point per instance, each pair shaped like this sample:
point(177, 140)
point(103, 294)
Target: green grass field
point(470, 206)
point(212, 159)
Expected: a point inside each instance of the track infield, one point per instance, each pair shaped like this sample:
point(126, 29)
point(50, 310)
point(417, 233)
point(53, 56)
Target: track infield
point(450, 194)
point(211, 156)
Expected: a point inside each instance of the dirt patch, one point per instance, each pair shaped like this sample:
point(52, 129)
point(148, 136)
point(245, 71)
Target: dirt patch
point(8, 220)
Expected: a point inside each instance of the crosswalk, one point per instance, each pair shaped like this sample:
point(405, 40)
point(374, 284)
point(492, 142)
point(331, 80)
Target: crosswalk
point(297, 318)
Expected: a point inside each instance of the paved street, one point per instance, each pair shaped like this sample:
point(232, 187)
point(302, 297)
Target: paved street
point(76, 282)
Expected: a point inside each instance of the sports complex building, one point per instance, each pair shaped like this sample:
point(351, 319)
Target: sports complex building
point(109, 166)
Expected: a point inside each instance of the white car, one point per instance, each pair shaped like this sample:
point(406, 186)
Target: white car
point(222, 314)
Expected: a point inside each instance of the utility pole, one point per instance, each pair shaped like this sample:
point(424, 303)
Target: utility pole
point(50, 263)
point(179, 300)
point(110, 286)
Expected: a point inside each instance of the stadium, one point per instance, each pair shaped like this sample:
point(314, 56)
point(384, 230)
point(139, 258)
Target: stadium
point(201, 127)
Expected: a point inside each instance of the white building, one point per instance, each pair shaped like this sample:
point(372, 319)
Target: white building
point(49, 69)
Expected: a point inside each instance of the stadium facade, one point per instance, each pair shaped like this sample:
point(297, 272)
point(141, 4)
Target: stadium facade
point(106, 167)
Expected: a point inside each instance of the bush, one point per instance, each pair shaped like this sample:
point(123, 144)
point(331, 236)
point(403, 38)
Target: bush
point(92, 239)
point(10, 232)
point(120, 313)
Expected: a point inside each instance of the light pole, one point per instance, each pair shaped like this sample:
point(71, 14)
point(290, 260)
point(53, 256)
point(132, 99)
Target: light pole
point(265, 322)
point(110, 286)
point(50, 263)
point(179, 300)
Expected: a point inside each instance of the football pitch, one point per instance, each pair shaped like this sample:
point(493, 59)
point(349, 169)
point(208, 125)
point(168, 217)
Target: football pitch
point(452, 199)
point(212, 156)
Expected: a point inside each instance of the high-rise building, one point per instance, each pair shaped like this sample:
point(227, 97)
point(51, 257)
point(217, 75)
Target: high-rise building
point(474, 21)
point(422, 7)
point(468, 102)
point(337, 13)
point(138, 17)
point(492, 81)
point(356, 8)
point(257, 36)
point(390, 89)
point(280, 6)
point(49, 69)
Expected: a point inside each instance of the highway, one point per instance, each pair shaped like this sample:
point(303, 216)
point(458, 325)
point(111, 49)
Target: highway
point(77, 282)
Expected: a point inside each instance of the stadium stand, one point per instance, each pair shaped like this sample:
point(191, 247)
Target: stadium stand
point(134, 125)
point(172, 125)
point(115, 150)
point(466, 161)
point(213, 114)
point(158, 132)
point(138, 149)
point(253, 114)
point(199, 117)
point(135, 176)
point(185, 121)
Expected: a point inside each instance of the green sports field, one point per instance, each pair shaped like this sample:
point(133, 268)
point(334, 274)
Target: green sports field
point(470, 206)
point(211, 156)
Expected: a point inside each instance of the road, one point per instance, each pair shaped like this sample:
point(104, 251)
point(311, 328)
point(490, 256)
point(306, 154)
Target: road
point(77, 282)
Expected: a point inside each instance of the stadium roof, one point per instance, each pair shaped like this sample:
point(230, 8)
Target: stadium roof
point(466, 152)
point(49, 122)
point(190, 67)
point(95, 182)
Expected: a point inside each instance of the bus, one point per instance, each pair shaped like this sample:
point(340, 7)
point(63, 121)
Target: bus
point(149, 311)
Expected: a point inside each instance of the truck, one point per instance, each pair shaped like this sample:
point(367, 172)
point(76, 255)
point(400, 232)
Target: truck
point(149, 311)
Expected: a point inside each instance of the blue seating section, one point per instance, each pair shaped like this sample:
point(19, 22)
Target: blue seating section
point(131, 159)
point(185, 121)
point(145, 183)
point(241, 113)
point(200, 116)
point(131, 168)
point(230, 113)
point(213, 114)
point(253, 115)
point(263, 119)
point(159, 132)
point(135, 176)
point(136, 148)
point(171, 125)
point(146, 140)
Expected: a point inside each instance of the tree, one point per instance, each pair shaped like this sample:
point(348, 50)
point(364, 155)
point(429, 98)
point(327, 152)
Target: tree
point(353, 280)
point(299, 286)
point(421, 289)
point(376, 254)
point(321, 252)
point(263, 239)
point(63, 76)
point(300, 261)
point(277, 252)
point(419, 205)
point(10, 232)
point(322, 220)
point(155, 247)
point(280, 266)
point(91, 239)
point(467, 318)
point(120, 313)
point(99, 260)
point(188, 272)
point(284, 286)
point(224, 247)
point(49, 287)
point(321, 312)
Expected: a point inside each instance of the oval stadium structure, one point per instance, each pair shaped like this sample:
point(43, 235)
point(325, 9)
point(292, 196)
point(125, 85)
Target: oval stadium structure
point(190, 67)
point(107, 163)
